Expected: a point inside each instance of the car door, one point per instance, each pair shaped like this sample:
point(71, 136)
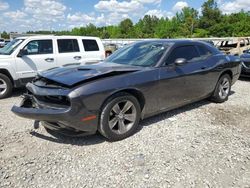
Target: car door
point(184, 83)
point(38, 55)
point(92, 53)
point(68, 52)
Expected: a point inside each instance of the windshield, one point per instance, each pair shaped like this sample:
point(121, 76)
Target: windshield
point(139, 54)
point(11, 46)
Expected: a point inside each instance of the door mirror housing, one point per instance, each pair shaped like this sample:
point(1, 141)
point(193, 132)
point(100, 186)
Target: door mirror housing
point(22, 52)
point(180, 61)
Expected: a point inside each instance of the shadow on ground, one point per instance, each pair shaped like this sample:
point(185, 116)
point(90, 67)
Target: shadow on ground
point(245, 79)
point(18, 92)
point(79, 141)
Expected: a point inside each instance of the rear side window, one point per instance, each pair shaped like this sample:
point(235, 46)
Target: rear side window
point(39, 47)
point(204, 52)
point(189, 53)
point(67, 45)
point(90, 45)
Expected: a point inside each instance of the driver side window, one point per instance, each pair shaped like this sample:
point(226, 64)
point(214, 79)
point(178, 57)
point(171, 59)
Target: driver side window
point(189, 53)
point(39, 47)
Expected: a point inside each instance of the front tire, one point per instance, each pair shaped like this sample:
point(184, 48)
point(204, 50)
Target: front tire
point(222, 89)
point(6, 86)
point(120, 117)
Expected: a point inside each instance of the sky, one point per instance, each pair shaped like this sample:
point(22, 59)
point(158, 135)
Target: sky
point(33, 15)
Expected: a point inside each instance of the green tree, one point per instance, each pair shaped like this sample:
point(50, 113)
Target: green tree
point(5, 35)
point(211, 15)
point(126, 28)
point(188, 19)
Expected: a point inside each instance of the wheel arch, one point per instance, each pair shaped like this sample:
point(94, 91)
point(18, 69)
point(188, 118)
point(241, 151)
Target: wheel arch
point(229, 72)
point(132, 91)
point(7, 73)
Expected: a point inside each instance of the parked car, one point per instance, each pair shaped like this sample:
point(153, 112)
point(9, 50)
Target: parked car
point(235, 47)
point(24, 57)
point(245, 59)
point(137, 81)
point(6, 41)
point(111, 48)
point(2, 43)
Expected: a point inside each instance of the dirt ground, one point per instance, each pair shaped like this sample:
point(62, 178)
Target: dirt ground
point(200, 145)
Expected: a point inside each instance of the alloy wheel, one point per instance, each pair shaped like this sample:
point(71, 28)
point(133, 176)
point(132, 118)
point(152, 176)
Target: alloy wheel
point(3, 86)
point(224, 88)
point(122, 117)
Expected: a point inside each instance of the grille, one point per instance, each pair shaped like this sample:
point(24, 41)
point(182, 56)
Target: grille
point(53, 101)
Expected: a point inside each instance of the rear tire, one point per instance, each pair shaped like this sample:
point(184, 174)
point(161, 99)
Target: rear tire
point(6, 86)
point(222, 89)
point(120, 117)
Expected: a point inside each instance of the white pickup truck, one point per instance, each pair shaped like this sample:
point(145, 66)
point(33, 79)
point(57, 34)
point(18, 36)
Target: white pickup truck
point(23, 57)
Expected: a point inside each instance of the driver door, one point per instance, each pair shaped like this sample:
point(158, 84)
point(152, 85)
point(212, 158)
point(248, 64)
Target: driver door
point(38, 55)
point(181, 84)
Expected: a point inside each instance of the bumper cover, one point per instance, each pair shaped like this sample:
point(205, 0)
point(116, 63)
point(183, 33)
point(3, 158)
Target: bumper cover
point(56, 117)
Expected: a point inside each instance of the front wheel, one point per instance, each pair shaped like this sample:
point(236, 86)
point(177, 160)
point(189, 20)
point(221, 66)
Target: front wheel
point(222, 89)
point(6, 86)
point(120, 117)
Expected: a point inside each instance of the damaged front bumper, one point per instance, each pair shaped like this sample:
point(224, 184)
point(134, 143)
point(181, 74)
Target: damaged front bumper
point(58, 109)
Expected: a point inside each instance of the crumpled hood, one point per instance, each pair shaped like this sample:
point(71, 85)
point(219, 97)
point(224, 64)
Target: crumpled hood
point(72, 75)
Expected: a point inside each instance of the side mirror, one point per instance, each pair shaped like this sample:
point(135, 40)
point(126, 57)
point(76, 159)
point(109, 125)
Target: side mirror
point(180, 61)
point(22, 52)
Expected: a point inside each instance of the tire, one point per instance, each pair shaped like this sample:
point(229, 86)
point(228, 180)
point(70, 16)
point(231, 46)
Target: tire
point(222, 89)
point(120, 117)
point(6, 86)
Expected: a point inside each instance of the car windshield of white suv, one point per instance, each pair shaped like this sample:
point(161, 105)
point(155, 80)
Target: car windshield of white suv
point(10, 47)
point(139, 54)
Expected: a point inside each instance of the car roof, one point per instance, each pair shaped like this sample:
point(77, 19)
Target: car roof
point(56, 37)
point(175, 41)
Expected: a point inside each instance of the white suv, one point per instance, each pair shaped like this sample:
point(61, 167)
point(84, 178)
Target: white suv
point(23, 57)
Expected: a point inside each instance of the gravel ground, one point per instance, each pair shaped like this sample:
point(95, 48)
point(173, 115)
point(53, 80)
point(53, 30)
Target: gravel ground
point(200, 145)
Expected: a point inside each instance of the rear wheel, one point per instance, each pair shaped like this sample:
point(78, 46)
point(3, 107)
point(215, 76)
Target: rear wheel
point(222, 89)
point(6, 86)
point(120, 117)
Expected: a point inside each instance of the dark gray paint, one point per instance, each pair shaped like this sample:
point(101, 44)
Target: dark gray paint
point(159, 88)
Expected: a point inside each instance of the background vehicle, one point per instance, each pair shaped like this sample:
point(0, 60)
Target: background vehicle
point(6, 41)
point(137, 81)
point(235, 47)
point(245, 59)
point(2, 43)
point(22, 58)
point(110, 48)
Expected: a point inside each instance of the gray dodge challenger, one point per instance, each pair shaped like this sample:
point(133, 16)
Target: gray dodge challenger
point(140, 80)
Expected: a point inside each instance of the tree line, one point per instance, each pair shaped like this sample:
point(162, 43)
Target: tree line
point(211, 22)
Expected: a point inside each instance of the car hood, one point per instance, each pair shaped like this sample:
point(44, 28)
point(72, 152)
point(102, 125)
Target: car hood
point(4, 56)
point(71, 76)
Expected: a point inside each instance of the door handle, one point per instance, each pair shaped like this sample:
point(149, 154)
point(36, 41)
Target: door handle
point(49, 59)
point(77, 57)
